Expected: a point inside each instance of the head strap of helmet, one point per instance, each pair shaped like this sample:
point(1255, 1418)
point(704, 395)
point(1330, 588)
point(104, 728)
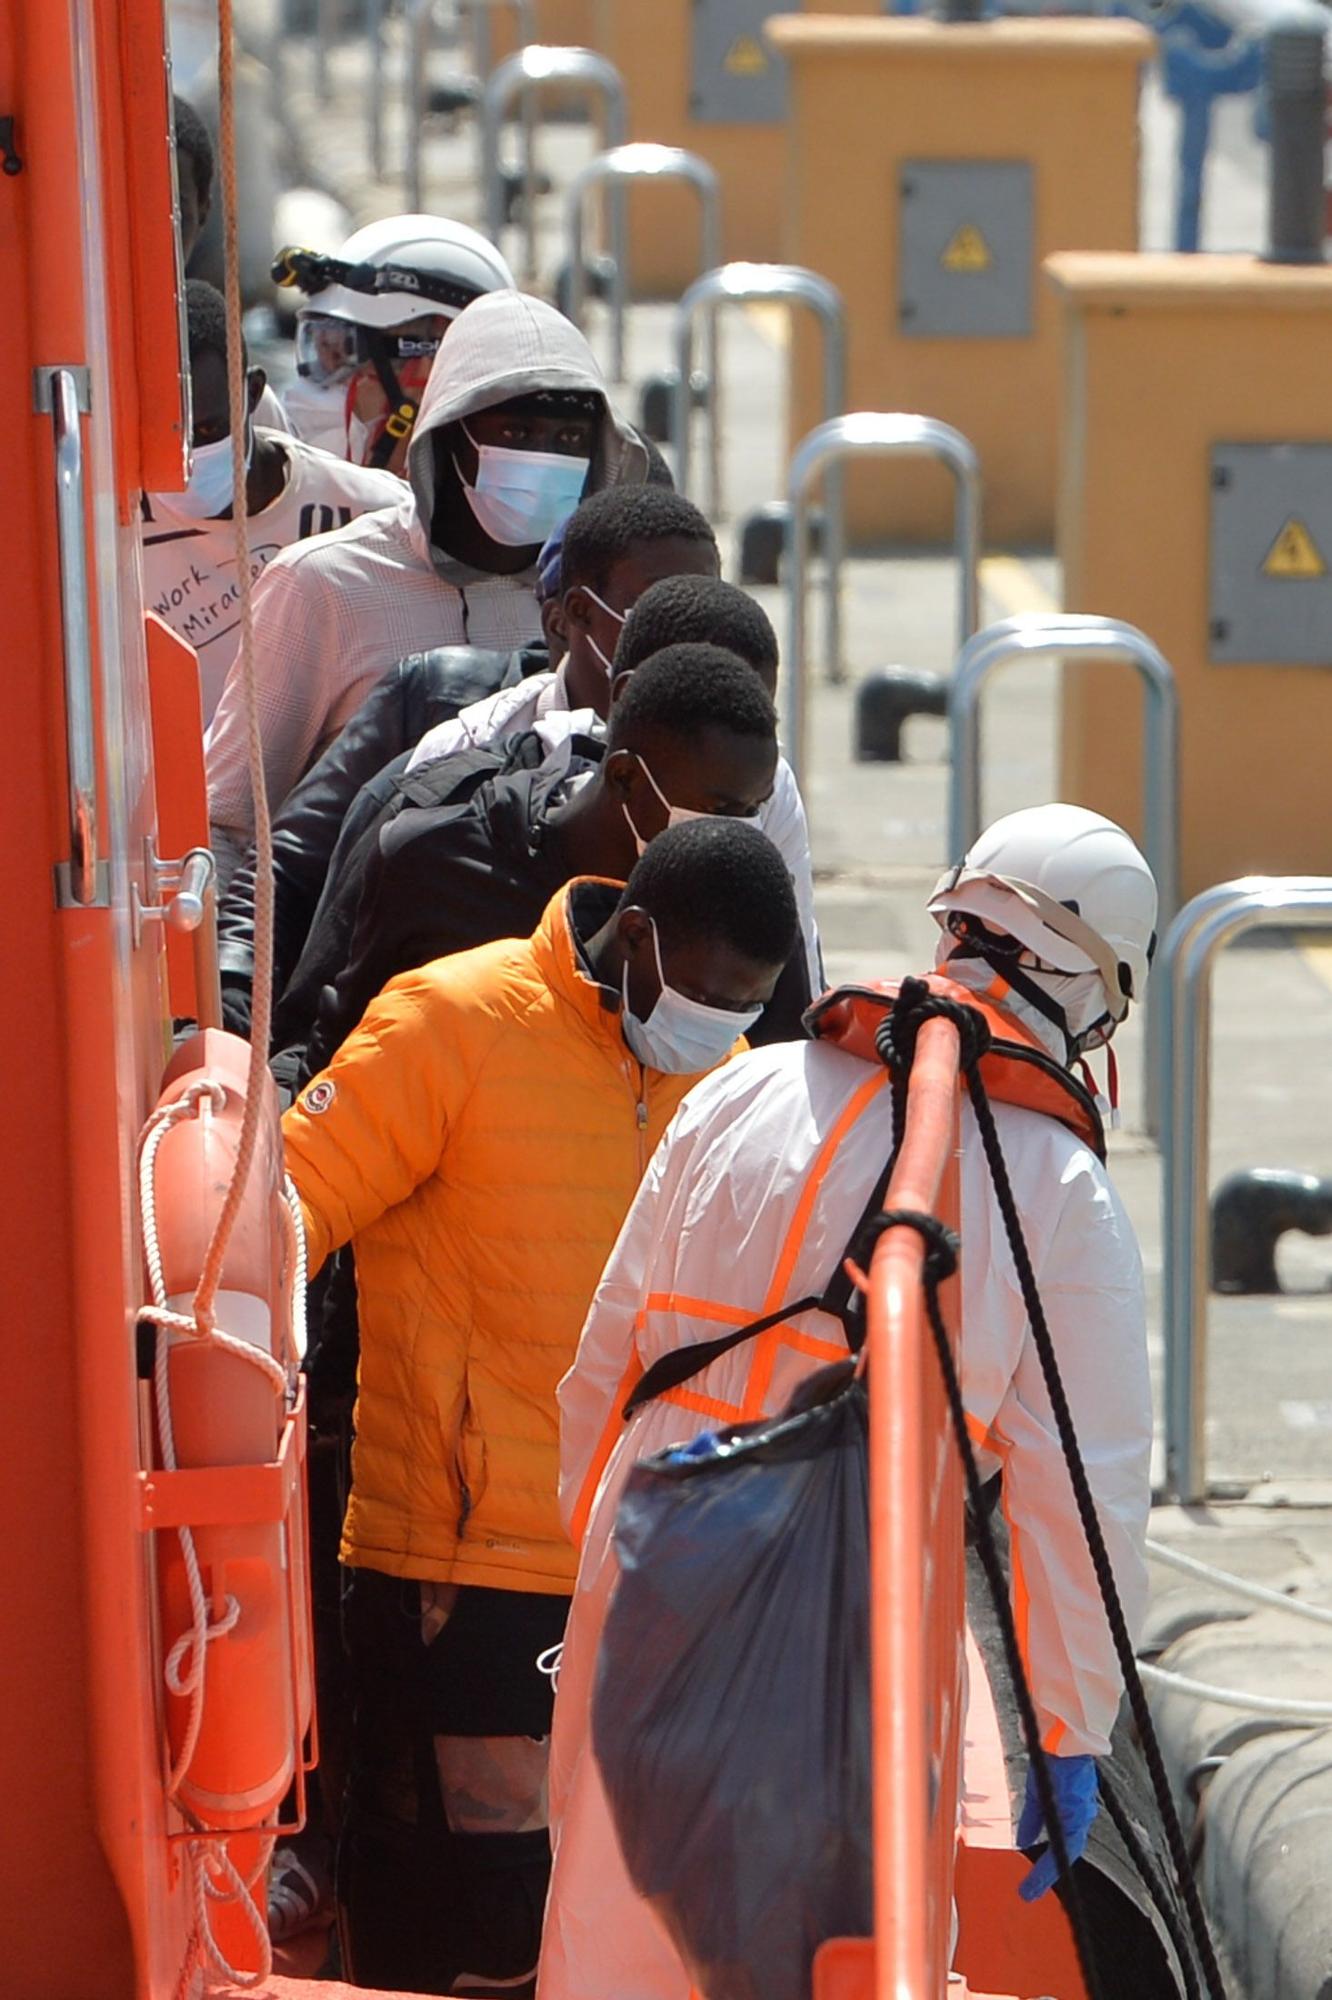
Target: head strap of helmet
point(1002, 953)
point(1061, 918)
point(309, 271)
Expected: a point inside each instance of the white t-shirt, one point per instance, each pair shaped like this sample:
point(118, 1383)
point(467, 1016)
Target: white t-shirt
point(270, 415)
point(189, 565)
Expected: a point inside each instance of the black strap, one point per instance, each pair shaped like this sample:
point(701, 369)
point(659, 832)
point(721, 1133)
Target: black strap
point(839, 1298)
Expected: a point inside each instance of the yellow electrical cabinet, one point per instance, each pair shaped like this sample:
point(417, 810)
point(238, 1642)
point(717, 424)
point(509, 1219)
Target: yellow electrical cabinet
point(930, 169)
point(701, 74)
point(1196, 501)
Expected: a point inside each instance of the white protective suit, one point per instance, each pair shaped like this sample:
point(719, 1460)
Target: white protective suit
point(717, 1233)
point(335, 613)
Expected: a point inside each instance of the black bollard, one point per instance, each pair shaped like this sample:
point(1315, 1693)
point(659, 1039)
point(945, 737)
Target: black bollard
point(885, 700)
point(1297, 106)
point(1251, 1211)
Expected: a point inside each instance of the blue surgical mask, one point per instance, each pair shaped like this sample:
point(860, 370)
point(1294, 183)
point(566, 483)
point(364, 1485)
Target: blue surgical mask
point(211, 489)
point(520, 497)
point(681, 1036)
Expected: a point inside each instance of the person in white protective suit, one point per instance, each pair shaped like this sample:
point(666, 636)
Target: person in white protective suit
point(751, 1199)
point(372, 324)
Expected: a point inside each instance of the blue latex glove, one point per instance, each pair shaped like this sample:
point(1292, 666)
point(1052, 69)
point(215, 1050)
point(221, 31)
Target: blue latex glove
point(1074, 1782)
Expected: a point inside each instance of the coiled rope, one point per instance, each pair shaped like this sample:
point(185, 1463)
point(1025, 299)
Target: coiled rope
point(215, 1876)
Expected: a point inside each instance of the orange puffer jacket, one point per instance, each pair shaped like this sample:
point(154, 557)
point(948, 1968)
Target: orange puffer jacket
point(481, 1136)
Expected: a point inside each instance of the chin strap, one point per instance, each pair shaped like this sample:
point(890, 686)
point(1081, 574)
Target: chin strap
point(402, 411)
point(1010, 973)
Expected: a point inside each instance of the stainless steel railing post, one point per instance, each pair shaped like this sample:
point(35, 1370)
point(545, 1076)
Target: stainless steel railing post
point(1075, 637)
point(521, 76)
point(872, 434)
point(419, 22)
point(1192, 945)
point(780, 284)
point(617, 166)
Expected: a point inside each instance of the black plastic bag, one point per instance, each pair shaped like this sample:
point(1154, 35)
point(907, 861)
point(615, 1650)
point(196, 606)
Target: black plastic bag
point(731, 1711)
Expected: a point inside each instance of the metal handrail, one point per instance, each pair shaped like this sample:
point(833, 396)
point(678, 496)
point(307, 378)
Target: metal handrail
point(1070, 635)
point(61, 393)
point(1199, 933)
point(641, 161)
point(916, 1557)
point(872, 434)
point(420, 20)
point(1087, 638)
point(420, 16)
point(374, 102)
point(777, 284)
point(518, 75)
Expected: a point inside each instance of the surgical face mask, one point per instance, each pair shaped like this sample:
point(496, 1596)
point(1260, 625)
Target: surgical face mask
point(211, 489)
point(1079, 999)
point(318, 414)
point(680, 1035)
point(520, 497)
point(675, 815)
point(362, 439)
point(618, 616)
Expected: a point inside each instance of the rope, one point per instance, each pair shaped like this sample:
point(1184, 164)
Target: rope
point(1306, 1713)
point(916, 1004)
point(940, 1263)
point(1238, 1586)
point(262, 1005)
point(186, 1665)
point(1092, 1532)
point(1142, 1861)
point(200, 1323)
point(210, 1859)
point(295, 1327)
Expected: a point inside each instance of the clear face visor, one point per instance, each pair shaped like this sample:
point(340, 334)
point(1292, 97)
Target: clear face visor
point(1054, 916)
point(330, 350)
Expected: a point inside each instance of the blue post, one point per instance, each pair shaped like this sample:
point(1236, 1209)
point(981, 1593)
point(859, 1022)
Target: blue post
point(1201, 61)
point(1195, 133)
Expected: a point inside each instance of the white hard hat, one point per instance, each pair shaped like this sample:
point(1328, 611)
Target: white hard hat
point(441, 265)
point(1067, 884)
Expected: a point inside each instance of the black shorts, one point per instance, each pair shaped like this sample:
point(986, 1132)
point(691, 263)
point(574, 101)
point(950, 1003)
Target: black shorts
point(478, 1678)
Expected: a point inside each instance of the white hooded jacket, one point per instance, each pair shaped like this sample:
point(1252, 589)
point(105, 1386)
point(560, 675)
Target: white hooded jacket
point(334, 614)
point(715, 1236)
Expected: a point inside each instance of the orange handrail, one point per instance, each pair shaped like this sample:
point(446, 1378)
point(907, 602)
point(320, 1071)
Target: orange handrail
point(916, 1561)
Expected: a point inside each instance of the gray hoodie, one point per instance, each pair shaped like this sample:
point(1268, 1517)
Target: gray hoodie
point(333, 614)
point(507, 344)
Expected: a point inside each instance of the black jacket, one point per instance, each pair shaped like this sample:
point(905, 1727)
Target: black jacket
point(435, 878)
point(444, 785)
point(423, 689)
point(430, 879)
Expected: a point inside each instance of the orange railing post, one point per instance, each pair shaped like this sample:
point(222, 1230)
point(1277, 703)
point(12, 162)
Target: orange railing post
point(917, 1627)
point(917, 1598)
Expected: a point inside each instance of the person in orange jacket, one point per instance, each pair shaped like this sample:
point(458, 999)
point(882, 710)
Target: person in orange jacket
point(480, 1138)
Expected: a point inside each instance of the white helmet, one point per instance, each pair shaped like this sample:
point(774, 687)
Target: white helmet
point(391, 272)
point(1068, 885)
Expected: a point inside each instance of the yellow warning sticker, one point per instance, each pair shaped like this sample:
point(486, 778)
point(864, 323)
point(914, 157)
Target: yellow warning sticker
point(967, 250)
point(745, 57)
point(1294, 555)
